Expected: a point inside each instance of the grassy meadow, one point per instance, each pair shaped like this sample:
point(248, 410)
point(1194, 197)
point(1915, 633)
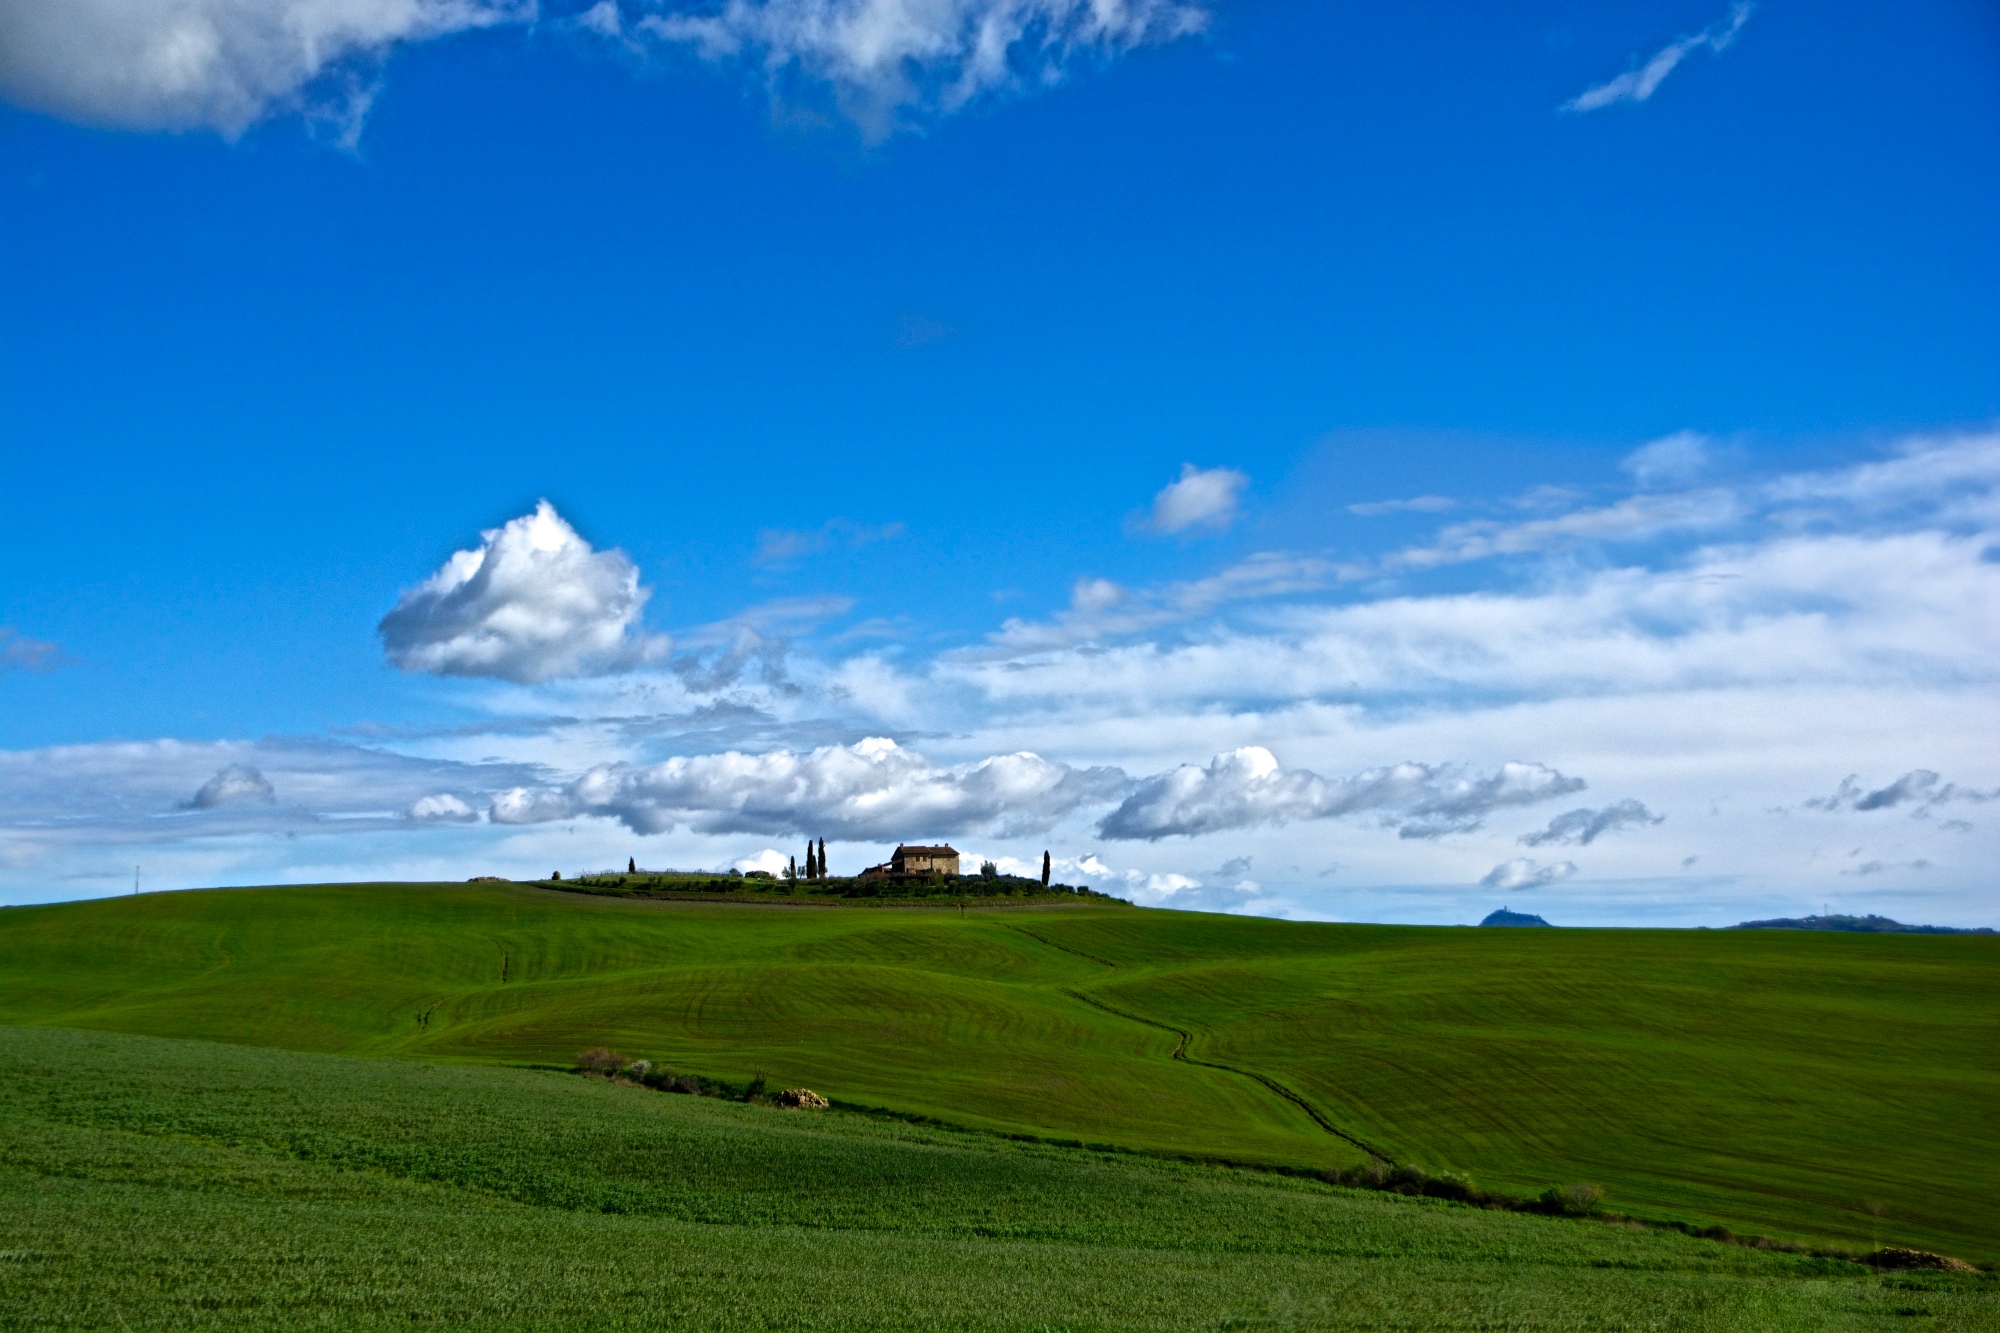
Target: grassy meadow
point(159, 1184)
point(1818, 1087)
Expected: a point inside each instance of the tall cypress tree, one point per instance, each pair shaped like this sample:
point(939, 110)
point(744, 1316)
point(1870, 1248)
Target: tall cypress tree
point(1045, 869)
point(812, 865)
point(822, 858)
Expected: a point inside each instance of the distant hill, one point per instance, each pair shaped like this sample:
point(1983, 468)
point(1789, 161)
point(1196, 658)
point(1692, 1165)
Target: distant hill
point(1867, 925)
point(1503, 917)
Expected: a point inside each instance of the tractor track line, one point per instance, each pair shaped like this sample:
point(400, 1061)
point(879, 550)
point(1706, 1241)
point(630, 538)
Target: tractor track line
point(1181, 1054)
point(1023, 930)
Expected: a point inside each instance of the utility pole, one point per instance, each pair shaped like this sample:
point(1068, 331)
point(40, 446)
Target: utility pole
point(135, 881)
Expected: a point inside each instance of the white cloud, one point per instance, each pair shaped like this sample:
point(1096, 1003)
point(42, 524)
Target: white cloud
point(1100, 608)
point(534, 602)
point(1844, 621)
point(1636, 85)
point(872, 789)
point(238, 782)
point(215, 64)
point(1639, 518)
point(442, 808)
point(166, 791)
point(1421, 504)
point(1522, 873)
point(1671, 460)
point(1247, 787)
point(1919, 787)
point(1583, 827)
point(885, 59)
point(1203, 499)
point(225, 64)
point(784, 546)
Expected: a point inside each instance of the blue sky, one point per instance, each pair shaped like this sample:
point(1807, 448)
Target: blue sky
point(859, 375)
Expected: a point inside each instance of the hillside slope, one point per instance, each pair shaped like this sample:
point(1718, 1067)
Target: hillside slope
point(152, 1184)
point(1808, 1086)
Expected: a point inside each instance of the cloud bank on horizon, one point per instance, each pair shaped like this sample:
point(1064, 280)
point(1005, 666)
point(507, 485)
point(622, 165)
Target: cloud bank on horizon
point(224, 65)
point(1781, 686)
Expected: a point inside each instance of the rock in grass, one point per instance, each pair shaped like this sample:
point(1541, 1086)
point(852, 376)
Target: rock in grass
point(805, 1099)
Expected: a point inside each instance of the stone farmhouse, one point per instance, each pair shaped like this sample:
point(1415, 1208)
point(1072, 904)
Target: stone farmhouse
point(908, 860)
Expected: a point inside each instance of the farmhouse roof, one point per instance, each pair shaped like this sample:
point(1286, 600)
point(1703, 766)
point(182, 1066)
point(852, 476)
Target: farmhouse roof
point(941, 849)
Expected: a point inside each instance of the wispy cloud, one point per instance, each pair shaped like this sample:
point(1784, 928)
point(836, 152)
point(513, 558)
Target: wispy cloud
point(1583, 827)
point(169, 791)
point(1421, 504)
point(885, 61)
point(1672, 460)
point(1639, 84)
point(1920, 788)
point(785, 546)
point(1101, 609)
point(1638, 518)
point(21, 653)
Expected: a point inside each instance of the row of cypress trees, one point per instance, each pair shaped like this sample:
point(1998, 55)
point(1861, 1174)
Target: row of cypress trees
point(815, 862)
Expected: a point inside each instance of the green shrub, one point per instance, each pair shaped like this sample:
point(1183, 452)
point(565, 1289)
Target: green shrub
point(1572, 1200)
point(600, 1060)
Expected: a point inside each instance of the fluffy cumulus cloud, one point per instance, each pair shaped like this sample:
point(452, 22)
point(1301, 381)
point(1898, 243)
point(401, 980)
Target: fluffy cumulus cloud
point(238, 782)
point(1583, 827)
point(886, 58)
point(532, 602)
point(1248, 788)
point(1203, 500)
point(443, 807)
point(872, 789)
point(214, 64)
point(1522, 873)
point(1641, 82)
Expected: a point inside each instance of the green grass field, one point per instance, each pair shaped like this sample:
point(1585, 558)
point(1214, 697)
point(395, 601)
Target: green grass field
point(156, 1184)
point(1818, 1087)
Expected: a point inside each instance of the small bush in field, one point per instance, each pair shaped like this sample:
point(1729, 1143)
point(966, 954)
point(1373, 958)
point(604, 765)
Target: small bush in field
point(1453, 1185)
point(600, 1060)
point(687, 1083)
point(1572, 1200)
point(1407, 1179)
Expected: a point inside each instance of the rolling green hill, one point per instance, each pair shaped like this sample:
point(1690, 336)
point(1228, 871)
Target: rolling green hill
point(1812, 1086)
point(154, 1184)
